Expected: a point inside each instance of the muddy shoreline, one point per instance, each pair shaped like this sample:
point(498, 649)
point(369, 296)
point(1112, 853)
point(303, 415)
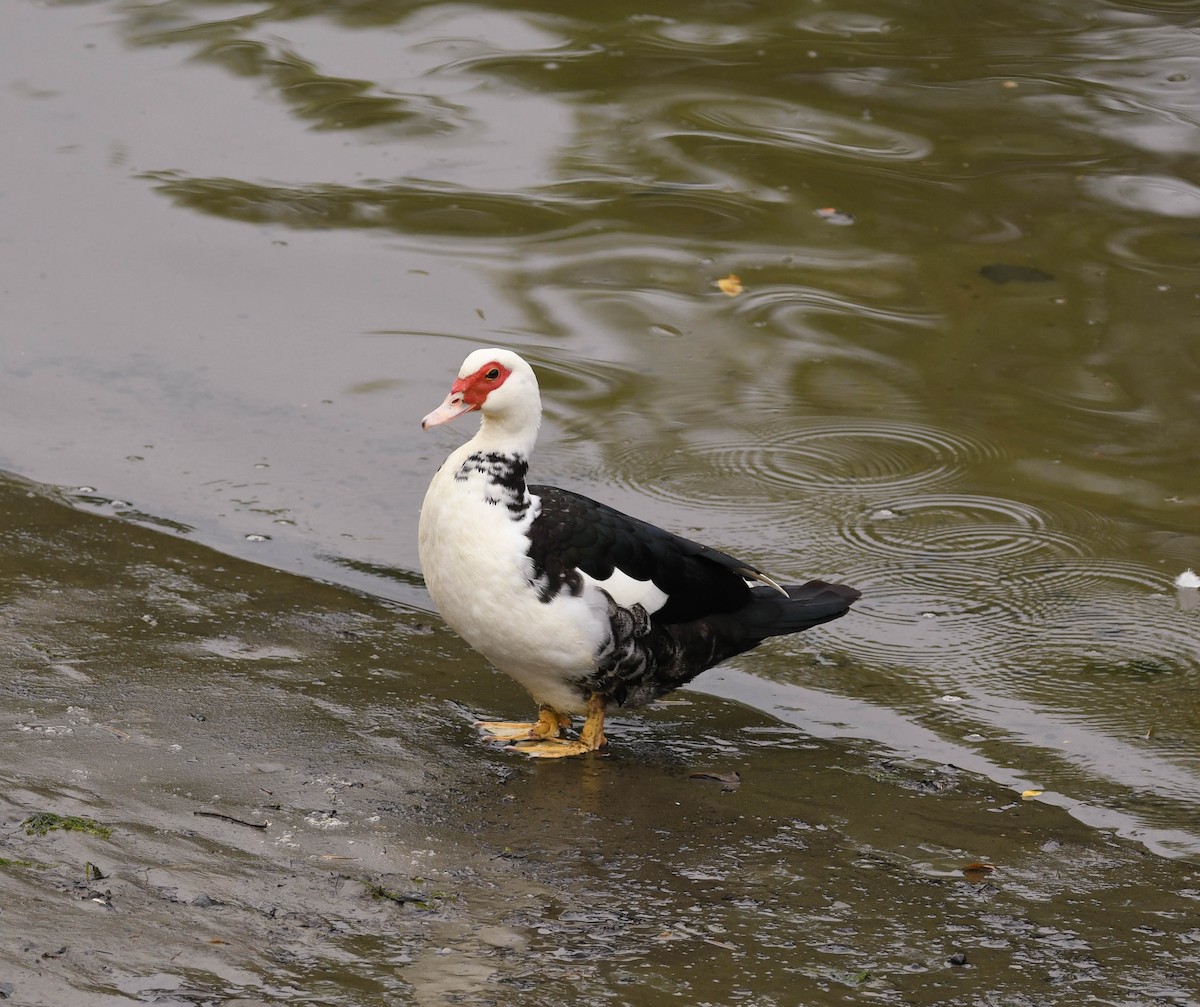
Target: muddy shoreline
point(300, 813)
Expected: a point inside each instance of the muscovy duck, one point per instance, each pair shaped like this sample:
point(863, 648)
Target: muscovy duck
point(584, 606)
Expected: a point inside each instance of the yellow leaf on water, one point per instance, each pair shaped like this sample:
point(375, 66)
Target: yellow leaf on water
point(1029, 794)
point(730, 285)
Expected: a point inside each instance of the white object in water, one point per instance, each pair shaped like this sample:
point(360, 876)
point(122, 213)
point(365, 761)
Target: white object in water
point(1189, 578)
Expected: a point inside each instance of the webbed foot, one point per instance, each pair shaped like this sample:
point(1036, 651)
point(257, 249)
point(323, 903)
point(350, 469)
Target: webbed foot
point(591, 737)
point(550, 724)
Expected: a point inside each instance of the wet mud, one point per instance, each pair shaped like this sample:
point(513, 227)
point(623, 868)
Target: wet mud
point(292, 807)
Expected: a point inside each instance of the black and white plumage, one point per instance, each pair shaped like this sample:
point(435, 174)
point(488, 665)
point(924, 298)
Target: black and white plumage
point(584, 606)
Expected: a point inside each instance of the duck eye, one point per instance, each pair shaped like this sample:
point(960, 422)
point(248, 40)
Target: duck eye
point(493, 374)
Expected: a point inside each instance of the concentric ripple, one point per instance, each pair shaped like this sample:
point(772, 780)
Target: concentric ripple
point(868, 454)
point(1116, 615)
point(889, 457)
point(959, 617)
point(1023, 612)
point(961, 526)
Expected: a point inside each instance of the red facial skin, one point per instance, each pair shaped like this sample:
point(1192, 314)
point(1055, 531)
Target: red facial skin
point(476, 387)
point(468, 394)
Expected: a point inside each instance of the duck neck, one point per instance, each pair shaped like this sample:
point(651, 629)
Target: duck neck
point(512, 432)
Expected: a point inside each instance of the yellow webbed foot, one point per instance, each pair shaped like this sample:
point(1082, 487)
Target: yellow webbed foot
point(591, 737)
point(550, 724)
point(505, 730)
point(551, 748)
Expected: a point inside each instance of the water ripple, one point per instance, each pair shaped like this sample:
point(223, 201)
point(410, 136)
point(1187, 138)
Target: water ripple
point(813, 456)
point(971, 616)
point(824, 455)
point(783, 125)
point(1153, 246)
point(961, 526)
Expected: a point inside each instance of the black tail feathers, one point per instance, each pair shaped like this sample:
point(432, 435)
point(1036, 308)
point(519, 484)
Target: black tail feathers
point(717, 638)
point(807, 605)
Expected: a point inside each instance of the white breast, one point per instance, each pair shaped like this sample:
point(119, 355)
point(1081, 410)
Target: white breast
point(473, 556)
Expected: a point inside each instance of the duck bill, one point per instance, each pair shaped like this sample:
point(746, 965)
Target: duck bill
point(455, 405)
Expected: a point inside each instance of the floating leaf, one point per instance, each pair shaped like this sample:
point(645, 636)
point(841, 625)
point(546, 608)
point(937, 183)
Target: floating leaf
point(730, 285)
point(1028, 795)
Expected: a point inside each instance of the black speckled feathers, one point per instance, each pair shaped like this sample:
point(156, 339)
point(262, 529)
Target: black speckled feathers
point(572, 532)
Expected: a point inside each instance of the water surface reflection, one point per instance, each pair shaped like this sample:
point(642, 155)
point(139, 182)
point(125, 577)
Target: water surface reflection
point(309, 211)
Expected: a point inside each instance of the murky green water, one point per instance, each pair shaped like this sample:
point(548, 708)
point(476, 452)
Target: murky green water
point(244, 248)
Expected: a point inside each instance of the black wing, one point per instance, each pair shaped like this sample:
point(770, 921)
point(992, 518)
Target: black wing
point(572, 533)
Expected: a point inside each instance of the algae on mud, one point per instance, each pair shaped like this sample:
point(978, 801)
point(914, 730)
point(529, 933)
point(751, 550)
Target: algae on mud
point(45, 822)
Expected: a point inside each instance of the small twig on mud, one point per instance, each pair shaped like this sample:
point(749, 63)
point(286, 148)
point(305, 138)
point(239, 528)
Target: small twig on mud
point(230, 818)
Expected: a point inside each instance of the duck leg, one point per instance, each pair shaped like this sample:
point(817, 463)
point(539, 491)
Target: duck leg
point(591, 737)
point(550, 724)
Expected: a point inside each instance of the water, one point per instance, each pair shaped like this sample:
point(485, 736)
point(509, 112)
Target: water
point(246, 247)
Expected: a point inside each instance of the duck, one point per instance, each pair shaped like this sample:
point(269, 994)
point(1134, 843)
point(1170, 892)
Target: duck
point(587, 608)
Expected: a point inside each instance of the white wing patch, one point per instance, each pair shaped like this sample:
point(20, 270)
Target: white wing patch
point(626, 591)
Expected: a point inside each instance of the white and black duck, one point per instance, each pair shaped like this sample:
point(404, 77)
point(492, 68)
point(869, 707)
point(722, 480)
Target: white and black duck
point(584, 606)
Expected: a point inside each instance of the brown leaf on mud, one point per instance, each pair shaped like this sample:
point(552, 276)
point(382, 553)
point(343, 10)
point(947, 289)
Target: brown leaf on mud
point(977, 873)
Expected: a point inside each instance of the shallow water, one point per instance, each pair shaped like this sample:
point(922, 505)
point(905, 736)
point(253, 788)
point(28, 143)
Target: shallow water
point(246, 247)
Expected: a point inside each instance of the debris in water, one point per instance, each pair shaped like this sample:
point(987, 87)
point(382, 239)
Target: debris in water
point(832, 215)
point(1188, 590)
point(730, 285)
point(1188, 580)
point(1028, 795)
